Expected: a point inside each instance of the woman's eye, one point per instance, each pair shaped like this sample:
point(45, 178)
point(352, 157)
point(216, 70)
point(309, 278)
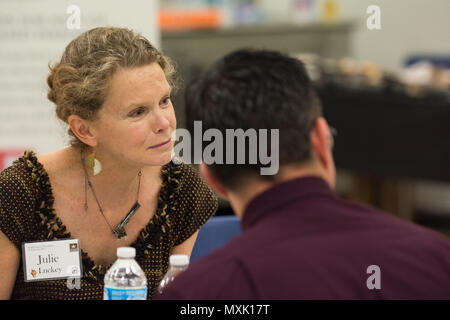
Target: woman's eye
point(138, 112)
point(165, 101)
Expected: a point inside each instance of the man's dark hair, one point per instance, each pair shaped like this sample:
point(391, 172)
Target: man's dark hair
point(257, 89)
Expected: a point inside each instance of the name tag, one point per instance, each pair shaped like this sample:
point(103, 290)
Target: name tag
point(51, 260)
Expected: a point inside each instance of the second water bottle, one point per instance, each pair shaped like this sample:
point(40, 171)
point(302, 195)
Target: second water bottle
point(178, 263)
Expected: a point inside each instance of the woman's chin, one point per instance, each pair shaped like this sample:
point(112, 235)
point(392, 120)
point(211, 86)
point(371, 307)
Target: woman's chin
point(160, 160)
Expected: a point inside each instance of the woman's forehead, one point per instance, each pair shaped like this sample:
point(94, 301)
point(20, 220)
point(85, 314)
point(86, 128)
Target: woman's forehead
point(133, 85)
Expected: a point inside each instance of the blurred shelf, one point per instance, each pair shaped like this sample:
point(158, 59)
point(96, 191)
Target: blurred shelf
point(260, 30)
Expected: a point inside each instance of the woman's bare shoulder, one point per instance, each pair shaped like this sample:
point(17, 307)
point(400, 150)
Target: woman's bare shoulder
point(62, 169)
point(57, 162)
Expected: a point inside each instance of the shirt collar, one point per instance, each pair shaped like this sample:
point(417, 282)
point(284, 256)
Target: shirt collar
point(282, 193)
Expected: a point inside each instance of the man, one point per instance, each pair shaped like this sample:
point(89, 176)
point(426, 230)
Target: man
point(299, 240)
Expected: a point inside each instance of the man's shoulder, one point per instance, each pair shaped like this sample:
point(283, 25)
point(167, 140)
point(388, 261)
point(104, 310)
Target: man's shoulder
point(206, 278)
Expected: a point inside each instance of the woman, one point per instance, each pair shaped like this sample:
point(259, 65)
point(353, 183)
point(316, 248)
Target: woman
point(112, 88)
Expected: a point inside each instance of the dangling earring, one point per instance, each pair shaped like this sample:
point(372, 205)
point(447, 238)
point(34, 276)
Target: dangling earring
point(93, 163)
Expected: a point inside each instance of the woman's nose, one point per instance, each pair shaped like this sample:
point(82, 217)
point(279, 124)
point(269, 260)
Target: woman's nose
point(161, 123)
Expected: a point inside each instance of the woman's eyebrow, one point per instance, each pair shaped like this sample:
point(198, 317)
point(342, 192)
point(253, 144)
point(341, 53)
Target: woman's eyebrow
point(168, 92)
point(135, 105)
point(141, 103)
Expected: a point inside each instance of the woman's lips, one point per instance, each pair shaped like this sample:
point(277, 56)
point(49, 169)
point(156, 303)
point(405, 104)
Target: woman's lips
point(161, 144)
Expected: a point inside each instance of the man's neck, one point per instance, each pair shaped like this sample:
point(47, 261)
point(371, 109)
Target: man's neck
point(241, 198)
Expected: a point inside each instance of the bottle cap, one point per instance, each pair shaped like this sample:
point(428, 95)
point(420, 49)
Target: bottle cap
point(126, 252)
point(179, 260)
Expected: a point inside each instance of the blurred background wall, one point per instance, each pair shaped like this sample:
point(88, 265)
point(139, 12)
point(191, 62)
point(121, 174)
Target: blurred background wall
point(408, 27)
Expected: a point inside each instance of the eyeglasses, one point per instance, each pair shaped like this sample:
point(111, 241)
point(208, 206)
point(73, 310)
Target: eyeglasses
point(333, 133)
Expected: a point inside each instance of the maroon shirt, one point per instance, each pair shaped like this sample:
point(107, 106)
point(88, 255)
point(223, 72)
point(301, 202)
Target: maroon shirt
point(301, 241)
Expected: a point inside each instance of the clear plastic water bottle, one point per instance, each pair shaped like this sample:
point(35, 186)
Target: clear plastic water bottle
point(125, 280)
point(177, 264)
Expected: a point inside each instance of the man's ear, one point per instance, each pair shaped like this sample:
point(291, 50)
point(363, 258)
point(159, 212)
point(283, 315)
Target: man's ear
point(83, 130)
point(212, 181)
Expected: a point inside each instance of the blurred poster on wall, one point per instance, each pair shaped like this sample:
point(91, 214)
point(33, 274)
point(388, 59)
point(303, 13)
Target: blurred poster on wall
point(34, 33)
point(8, 156)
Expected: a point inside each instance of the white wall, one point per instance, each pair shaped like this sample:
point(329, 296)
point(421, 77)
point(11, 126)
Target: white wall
point(407, 26)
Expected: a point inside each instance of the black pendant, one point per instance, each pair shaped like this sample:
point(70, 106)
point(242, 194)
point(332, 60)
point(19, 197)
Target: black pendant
point(119, 231)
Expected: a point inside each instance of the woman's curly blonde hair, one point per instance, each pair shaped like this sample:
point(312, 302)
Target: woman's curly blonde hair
point(78, 84)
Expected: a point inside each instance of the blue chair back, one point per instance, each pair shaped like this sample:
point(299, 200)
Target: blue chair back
point(216, 232)
point(441, 61)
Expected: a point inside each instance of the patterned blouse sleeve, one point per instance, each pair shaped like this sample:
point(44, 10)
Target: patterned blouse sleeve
point(17, 203)
point(197, 204)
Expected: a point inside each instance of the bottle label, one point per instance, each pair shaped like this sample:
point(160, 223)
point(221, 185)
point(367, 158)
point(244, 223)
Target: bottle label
point(125, 294)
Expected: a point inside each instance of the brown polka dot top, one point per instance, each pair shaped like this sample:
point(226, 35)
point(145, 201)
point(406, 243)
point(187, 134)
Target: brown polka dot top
point(185, 203)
